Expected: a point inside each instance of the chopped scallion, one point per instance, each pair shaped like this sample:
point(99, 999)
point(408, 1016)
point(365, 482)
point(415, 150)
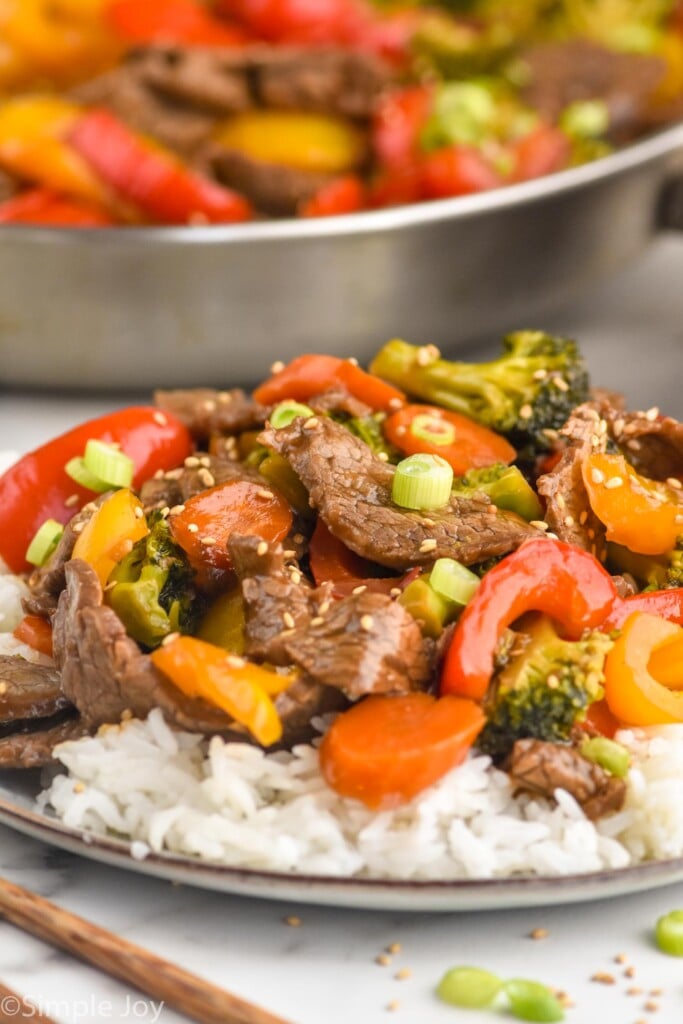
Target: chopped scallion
point(286, 412)
point(453, 581)
point(470, 987)
point(422, 482)
point(78, 471)
point(611, 756)
point(113, 467)
point(530, 1000)
point(669, 933)
point(45, 541)
point(432, 429)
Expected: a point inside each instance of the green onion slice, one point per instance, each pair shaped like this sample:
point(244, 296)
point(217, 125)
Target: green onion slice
point(78, 471)
point(45, 541)
point(286, 412)
point(113, 467)
point(530, 1000)
point(432, 429)
point(669, 933)
point(454, 581)
point(470, 987)
point(422, 482)
point(611, 756)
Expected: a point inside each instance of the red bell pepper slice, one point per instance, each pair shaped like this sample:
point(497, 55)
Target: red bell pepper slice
point(150, 177)
point(42, 207)
point(171, 21)
point(36, 633)
point(543, 151)
point(457, 171)
point(309, 22)
point(343, 195)
point(400, 117)
point(464, 444)
point(310, 375)
point(37, 487)
point(543, 575)
point(332, 562)
point(667, 604)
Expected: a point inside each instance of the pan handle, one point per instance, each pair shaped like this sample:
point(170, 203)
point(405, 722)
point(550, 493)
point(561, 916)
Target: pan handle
point(671, 205)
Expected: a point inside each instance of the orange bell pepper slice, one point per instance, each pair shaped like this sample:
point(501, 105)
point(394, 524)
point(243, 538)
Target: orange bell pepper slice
point(666, 662)
point(241, 689)
point(644, 515)
point(111, 532)
point(386, 750)
point(632, 692)
point(32, 146)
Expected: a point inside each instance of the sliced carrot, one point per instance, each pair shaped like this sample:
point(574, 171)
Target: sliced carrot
point(600, 718)
point(332, 562)
point(35, 632)
point(204, 526)
point(464, 444)
point(386, 750)
point(310, 375)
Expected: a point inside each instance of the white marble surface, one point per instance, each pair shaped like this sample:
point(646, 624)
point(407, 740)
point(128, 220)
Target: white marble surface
point(324, 972)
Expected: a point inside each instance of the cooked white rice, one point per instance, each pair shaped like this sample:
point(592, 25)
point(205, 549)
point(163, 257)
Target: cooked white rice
point(233, 804)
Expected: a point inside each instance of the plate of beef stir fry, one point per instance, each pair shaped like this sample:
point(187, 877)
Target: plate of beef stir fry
point(405, 637)
point(125, 112)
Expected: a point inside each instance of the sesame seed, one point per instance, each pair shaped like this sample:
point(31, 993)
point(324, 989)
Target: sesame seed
point(427, 354)
point(169, 639)
point(139, 513)
point(652, 414)
point(352, 360)
point(209, 405)
point(288, 620)
point(591, 533)
point(289, 553)
point(394, 948)
point(565, 1000)
point(277, 367)
point(225, 397)
point(656, 992)
point(206, 477)
point(651, 1006)
point(603, 978)
point(539, 524)
point(583, 518)
point(176, 510)
point(165, 513)
point(205, 461)
point(674, 482)
point(401, 431)
point(429, 544)
point(539, 933)
point(79, 787)
point(597, 476)
point(359, 589)
point(382, 456)
point(311, 423)
point(561, 503)
point(395, 403)
point(560, 384)
point(192, 528)
point(293, 922)
point(3, 687)
point(78, 527)
point(630, 972)
point(403, 974)
point(568, 520)
point(72, 500)
point(262, 548)
point(159, 475)
point(618, 426)
point(540, 374)
point(317, 620)
point(427, 522)
point(173, 474)
point(324, 607)
point(393, 1005)
point(614, 482)
point(208, 542)
point(634, 991)
point(395, 592)
point(553, 681)
point(383, 960)
point(621, 958)
point(526, 412)
point(265, 494)
point(634, 445)
point(159, 418)
point(191, 462)
point(298, 538)
point(295, 576)
point(366, 623)
point(287, 632)
point(234, 661)
point(553, 536)
point(595, 440)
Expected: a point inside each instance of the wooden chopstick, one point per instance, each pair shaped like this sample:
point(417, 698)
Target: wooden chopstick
point(156, 977)
point(14, 1007)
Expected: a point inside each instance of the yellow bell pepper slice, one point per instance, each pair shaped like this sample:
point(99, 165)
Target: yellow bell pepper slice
point(633, 694)
point(224, 622)
point(307, 142)
point(111, 532)
point(644, 515)
point(241, 689)
point(31, 146)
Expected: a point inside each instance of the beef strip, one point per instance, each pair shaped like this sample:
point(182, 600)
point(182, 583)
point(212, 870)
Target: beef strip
point(34, 749)
point(102, 669)
point(302, 702)
point(205, 411)
point(566, 72)
point(339, 400)
point(272, 589)
point(653, 444)
point(568, 510)
point(541, 768)
point(29, 691)
point(47, 582)
point(273, 189)
point(183, 483)
point(351, 488)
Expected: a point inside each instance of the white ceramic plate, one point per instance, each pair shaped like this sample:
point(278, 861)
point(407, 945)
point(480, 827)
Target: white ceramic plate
point(18, 811)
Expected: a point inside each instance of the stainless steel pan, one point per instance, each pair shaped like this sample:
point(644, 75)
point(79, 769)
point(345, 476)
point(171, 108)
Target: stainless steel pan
point(139, 307)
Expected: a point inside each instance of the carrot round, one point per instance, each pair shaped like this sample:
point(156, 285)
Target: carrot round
point(36, 632)
point(204, 526)
point(386, 750)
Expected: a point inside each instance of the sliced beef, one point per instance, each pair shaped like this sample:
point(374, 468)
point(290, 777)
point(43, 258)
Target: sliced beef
point(339, 400)
point(653, 444)
point(277, 598)
point(205, 411)
point(541, 768)
point(366, 643)
point(273, 189)
point(200, 472)
point(34, 749)
point(302, 702)
point(568, 510)
point(566, 72)
point(47, 583)
point(102, 669)
point(29, 691)
point(351, 488)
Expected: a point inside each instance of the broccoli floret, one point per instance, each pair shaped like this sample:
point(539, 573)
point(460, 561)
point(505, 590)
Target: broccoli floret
point(543, 691)
point(153, 592)
point(369, 429)
point(651, 572)
point(506, 486)
point(529, 390)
